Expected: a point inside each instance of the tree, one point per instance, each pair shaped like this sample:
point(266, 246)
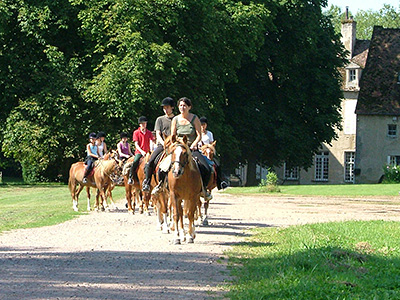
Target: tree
point(287, 100)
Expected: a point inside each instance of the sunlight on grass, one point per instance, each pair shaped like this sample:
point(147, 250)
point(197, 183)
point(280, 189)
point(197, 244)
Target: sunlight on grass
point(326, 190)
point(27, 206)
point(340, 260)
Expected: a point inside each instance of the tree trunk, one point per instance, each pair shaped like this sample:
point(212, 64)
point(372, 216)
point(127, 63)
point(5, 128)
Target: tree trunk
point(251, 173)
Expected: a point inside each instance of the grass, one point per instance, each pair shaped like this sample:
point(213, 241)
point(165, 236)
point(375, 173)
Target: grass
point(27, 206)
point(340, 260)
point(326, 190)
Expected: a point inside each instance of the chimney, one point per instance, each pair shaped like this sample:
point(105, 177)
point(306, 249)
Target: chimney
point(349, 33)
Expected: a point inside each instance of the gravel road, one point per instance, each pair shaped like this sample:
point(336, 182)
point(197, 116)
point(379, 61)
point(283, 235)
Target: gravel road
point(114, 255)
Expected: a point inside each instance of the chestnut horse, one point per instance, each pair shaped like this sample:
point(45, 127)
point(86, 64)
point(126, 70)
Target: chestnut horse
point(184, 182)
point(100, 179)
point(135, 190)
point(208, 151)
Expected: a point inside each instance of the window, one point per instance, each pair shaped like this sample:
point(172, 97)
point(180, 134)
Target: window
point(352, 75)
point(349, 166)
point(291, 174)
point(394, 160)
point(392, 130)
point(321, 166)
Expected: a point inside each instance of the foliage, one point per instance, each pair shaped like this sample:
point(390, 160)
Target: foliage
point(70, 67)
point(345, 190)
point(391, 174)
point(290, 88)
point(322, 261)
point(270, 183)
point(388, 16)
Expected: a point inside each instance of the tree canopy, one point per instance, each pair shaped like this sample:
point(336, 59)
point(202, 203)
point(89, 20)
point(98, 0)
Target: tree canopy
point(263, 72)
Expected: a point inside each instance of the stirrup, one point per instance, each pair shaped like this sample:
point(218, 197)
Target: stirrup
point(84, 180)
point(130, 181)
point(145, 187)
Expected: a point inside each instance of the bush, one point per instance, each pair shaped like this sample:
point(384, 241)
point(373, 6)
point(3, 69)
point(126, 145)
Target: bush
point(270, 183)
point(391, 174)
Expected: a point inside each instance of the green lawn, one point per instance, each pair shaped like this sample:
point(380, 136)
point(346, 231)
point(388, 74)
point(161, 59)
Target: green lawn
point(341, 260)
point(27, 206)
point(326, 190)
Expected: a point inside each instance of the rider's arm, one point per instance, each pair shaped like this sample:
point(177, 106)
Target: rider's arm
point(90, 152)
point(140, 149)
point(173, 126)
point(197, 127)
point(160, 139)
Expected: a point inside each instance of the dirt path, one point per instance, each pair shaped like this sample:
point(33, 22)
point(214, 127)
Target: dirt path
point(115, 255)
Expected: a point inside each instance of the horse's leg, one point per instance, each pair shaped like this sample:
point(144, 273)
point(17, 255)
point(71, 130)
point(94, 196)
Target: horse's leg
point(176, 217)
point(205, 220)
point(109, 194)
point(77, 192)
point(146, 201)
point(181, 227)
point(88, 197)
point(128, 196)
point(191, 208)
point(163, 199)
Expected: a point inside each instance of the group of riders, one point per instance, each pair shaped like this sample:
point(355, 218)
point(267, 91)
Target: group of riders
point(184, 124)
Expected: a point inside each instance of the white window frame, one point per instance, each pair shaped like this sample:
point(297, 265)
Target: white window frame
point(392, 132)
point(291, 174)
point(321, 166)
point(352, 75)
point(393, 160)
point(349, 158)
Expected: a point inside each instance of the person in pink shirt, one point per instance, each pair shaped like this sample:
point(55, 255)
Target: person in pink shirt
point(142, 139)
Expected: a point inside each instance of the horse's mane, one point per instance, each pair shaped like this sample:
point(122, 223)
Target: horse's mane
point(106, 166)
point(181, 141)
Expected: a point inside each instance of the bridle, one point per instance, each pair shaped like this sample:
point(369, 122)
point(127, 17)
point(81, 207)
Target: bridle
point(180, 163)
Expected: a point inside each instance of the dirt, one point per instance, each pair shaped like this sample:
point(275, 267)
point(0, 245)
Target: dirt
point(115, 255)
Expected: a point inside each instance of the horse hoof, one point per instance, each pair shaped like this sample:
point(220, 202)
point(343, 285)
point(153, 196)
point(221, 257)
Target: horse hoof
point(75, 208)
point(190, 240)
point(165, 231)
point(177, 242)
point(205, 222)
point(147, 213)
point(131, 212)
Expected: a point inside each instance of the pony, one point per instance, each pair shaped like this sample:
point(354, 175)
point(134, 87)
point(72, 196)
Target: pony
point(184, 182)
point(208, 151)
point(99, 178)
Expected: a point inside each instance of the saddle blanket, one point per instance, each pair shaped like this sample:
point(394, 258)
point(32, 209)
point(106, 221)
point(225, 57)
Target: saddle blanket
point(166, 163)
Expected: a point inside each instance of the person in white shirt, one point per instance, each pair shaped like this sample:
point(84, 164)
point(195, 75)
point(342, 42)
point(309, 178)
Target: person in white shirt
point(207, 136)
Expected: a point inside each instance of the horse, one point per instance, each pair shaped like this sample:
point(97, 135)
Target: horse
point(99, 178)
point(208, 151)
point(135, 190)
point(184, 181)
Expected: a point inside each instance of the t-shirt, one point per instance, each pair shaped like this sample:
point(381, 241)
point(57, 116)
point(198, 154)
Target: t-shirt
point(163, 124)
point(143, 140)
point(207, 138)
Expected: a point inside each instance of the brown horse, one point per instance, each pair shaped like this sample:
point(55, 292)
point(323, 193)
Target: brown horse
point(134, 191)
point(184, 182)
point(208, 150)
point(100, 179)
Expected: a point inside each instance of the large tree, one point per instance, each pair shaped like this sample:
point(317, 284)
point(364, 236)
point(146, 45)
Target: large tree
point(287, 100)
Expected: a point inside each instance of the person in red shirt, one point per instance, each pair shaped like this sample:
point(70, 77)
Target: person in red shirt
point(142, 139)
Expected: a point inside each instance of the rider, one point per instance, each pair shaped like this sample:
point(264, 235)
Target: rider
point(188, 124)
point(101, 145)
point(207, 137)
point(162, 128)
point(142, 138)
point(92, 156)
point(124, 149)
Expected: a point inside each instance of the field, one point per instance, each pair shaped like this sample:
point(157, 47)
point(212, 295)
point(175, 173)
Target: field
point(27, 206)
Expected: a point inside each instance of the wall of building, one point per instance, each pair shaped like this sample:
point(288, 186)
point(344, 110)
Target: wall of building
point(374, 146)
point(344, 143)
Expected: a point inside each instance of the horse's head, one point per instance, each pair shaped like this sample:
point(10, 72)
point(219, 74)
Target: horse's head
point(181, 155)
point(209, 150)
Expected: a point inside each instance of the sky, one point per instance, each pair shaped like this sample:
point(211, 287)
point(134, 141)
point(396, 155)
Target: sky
point(355, 5)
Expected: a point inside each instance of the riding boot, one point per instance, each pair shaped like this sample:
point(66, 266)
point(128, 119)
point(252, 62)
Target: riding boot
point(87, 172)
point(161, 177)
point(148, 173)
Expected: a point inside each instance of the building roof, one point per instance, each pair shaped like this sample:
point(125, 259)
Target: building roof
point(379, 91)
point(360, 52)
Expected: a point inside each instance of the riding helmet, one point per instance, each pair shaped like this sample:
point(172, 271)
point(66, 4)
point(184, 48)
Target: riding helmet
point(123, 135)
point(92, 135)
point(101, 134)
point(168, 101)
point(203, 120)
point(142, 119)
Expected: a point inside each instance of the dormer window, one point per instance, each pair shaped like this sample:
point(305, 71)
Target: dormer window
point(352, 75)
